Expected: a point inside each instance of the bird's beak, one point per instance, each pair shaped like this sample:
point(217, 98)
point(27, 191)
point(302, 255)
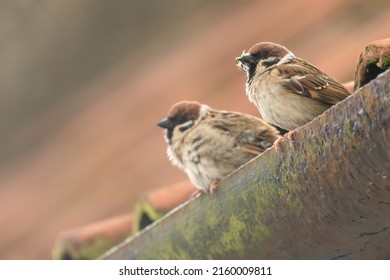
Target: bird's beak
point(244, 60)
point(165, 123)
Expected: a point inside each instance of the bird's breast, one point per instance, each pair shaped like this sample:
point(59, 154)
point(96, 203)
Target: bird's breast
point(282, 108)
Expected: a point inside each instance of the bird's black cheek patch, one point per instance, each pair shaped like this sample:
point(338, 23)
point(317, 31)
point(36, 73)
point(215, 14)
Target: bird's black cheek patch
point(183, 128)
point(186, 126)
point(270, 61)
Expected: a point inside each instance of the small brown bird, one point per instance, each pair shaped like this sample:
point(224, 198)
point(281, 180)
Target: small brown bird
point(210, 144)
point(287, 90)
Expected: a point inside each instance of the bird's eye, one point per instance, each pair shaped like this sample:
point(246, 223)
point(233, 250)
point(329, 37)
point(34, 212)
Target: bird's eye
point(264, 54)
point(181, 120)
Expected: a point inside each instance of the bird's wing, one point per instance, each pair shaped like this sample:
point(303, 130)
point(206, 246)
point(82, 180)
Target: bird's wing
point(248, 133)
point(304, 79)
point(251, 148)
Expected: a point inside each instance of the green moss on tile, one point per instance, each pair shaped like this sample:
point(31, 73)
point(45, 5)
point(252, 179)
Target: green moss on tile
point(94, 249)
point(385, 62)
point(145, 211)
point(231, 239)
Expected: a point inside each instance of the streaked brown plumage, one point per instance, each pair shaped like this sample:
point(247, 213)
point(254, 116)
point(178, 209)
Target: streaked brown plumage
point(210, 144)
point(288, 91)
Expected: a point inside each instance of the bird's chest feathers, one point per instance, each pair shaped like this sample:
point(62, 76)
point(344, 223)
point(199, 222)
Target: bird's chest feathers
point(186, 153)
point(266, 95)
point(198, 155)
point(279, 107)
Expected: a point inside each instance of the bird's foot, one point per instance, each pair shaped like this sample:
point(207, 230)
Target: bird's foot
point(214, 186)
point(289, 136)
point(277, 145)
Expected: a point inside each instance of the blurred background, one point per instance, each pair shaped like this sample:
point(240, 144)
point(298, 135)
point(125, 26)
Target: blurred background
point(83, 83)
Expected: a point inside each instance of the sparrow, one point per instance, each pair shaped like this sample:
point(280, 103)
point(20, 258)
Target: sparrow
point(288, 91)
point(209, 144)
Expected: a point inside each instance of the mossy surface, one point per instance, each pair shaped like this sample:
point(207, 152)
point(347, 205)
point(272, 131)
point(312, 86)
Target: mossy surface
point(386, 62)
point(145, 215)
point(85, 251)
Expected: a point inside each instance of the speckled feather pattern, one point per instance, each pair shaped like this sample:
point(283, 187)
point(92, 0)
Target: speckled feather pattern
point(217, 143)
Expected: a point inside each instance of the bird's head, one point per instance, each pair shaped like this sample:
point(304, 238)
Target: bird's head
point(263, 56)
